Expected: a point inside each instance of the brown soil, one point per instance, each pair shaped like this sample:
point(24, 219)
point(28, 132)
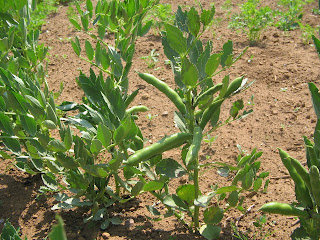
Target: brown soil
point(281, 67)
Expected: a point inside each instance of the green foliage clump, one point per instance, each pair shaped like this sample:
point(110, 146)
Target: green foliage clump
point(252, 19)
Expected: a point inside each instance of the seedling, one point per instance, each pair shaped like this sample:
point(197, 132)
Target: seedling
point(151, 59)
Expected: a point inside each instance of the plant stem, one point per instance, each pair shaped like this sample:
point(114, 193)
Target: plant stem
point(196, 190)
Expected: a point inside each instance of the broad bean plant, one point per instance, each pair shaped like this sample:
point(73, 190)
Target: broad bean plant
point(198, 98)
point(306, 180)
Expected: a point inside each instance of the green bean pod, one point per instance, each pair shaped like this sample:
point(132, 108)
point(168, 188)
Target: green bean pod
point(283, 209)
point(207, 114)
point(136, 109)
point(164, 88)
point(165, 144)
point(194, 148)
point(299, 183)
point(210, 91)
point(304, 174)
point(315, 184)
point(234, 85)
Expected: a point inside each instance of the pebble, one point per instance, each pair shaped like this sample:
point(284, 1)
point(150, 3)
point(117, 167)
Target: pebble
point(145, 96)
point(165, 114)
point(129, 223)
point(1, 220)
point(105, 235)
point(34, 216)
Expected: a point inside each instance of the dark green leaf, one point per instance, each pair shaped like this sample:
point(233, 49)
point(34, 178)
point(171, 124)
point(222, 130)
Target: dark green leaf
point(176, 39)
point(56, 146)
point(29, 124)
point(152, 186)
point(89, 50)
point(96, 146)
point(170, 168)
point(174, 201)
point(210, 232)
point(97, 171)
point(58, 231)
point(186, 193)
point(315, 98)
point(137, 188)
point(5, 124)
point(12, 144)
point(257, 184)
point(212, 64)
point(189, 73)
point(49, 180)
point(233, 198)
point(193, 22)
point(213, 215)
point(227, 53)
point(76, 46)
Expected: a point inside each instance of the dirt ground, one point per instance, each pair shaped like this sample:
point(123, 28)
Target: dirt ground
point(281, 66)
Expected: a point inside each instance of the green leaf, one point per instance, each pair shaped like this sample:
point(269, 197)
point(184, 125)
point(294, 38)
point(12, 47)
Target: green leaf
point(137, 188)
point(189, 73)
point(96, 170)
point(85, 22)
point(174, 201)
point(257, 184)
point(207, 16)
point(213, 215)
point(49, 180)
point(300, 234)
point(210, 232)
point(315, 98)
point(58, 231)
point(233, 198)
point(29, 124)
point(212, 64)
point(193, 22)
point(5, 124)
point(317, 44)
point(170, 168)
point(227, 53)
point(75, 24)
point(153, 210)
point(76, 46)
point(186, 193)
point(89, 7)
point(89, 50)
point(67, 161)
point(176, 39)
point(49, 124)
point(152, 186)
point(104, 135)
point(68, 138)
point(96, 146)
point(56, 146)
point(225, 85)
point(12, 144)
point(226, 189)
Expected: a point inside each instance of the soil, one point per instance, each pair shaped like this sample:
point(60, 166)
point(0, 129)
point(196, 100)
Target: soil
point(281, 66)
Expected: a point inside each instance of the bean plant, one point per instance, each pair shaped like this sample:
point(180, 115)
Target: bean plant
point(198, 99)
point(290, 17)
point(252, 20)
point(306, 180)
point(86, 150)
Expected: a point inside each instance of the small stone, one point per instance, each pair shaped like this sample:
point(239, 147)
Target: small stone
point(129, 223)
point(145, 96)
point(105, 235)
point(34, 216)
point(274, 112)
point(165, 114)
point(1, 220)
